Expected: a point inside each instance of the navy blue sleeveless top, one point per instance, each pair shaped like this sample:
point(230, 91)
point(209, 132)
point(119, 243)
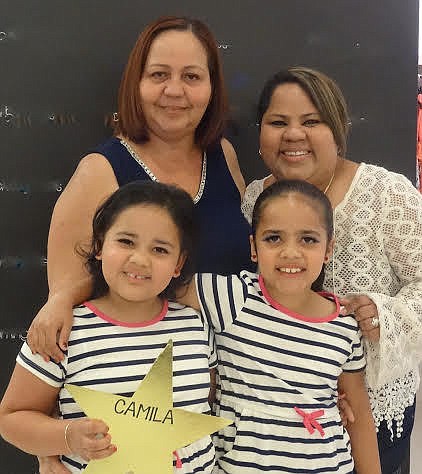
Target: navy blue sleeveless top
point(223, 245)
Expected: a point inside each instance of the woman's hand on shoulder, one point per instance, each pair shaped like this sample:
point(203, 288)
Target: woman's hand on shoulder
point(233, 165)
point(53, 323)
point(366, 314)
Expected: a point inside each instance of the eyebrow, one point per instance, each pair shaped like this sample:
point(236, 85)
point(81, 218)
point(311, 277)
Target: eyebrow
point(301, 231)
point(127, 234)
point(310, 231)
point(163, 242)
point(303, 115)
point(135, 236)
point(190, 66)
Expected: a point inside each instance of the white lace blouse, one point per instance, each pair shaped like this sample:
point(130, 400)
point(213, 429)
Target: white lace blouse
point(378, 253)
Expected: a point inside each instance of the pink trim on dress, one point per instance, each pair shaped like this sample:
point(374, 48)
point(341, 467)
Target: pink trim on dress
point(276, 305)
point(116, 322)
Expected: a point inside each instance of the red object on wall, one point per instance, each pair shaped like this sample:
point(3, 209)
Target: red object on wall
point(419, 142)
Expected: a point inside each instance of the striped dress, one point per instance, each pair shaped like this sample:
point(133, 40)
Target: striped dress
point(278, 376)
point(106, 355)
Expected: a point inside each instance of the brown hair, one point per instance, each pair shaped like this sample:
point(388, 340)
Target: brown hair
point(323, 92)
point(131, 121)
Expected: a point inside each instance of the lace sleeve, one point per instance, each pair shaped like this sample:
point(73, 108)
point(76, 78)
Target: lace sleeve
point(399, 349)
point(253, 190)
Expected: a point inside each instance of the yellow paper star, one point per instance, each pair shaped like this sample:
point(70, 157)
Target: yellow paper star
point(145, 427)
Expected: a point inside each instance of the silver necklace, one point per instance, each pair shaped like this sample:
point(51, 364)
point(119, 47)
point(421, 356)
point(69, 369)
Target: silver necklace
point(152, 176)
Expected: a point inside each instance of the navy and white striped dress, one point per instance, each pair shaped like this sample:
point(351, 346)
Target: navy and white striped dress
point(278, 376)
point(114, 357)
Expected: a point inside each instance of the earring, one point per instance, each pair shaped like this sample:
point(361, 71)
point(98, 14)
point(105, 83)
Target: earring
point(259, 152)
point(253, 257)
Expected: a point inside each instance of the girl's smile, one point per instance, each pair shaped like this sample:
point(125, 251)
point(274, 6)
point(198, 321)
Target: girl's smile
point(291, 270)
point(140, 255)
point(290, 245)
point(136, 276)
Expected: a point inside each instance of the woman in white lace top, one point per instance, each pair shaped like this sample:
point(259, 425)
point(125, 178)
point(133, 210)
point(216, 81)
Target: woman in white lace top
point(377, 263)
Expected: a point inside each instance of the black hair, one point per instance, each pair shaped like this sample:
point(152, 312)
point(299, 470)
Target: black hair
point(174, 200)
point(308, 191)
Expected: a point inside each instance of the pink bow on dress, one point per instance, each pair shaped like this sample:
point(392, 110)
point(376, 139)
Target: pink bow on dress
point(309, 420)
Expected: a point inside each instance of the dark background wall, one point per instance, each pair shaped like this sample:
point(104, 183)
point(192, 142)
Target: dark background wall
point(60, 66)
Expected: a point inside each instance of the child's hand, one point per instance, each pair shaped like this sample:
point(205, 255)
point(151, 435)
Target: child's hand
point(89, 438)
point(346, 412)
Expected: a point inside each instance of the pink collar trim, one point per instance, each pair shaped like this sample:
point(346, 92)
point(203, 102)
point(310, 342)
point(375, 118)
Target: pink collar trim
point(116, 322)
point(276, 305)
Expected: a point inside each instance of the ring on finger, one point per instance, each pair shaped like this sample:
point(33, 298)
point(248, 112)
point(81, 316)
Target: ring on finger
point(375, 322)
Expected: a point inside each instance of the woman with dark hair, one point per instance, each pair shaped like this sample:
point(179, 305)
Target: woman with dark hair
point(376, 265)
